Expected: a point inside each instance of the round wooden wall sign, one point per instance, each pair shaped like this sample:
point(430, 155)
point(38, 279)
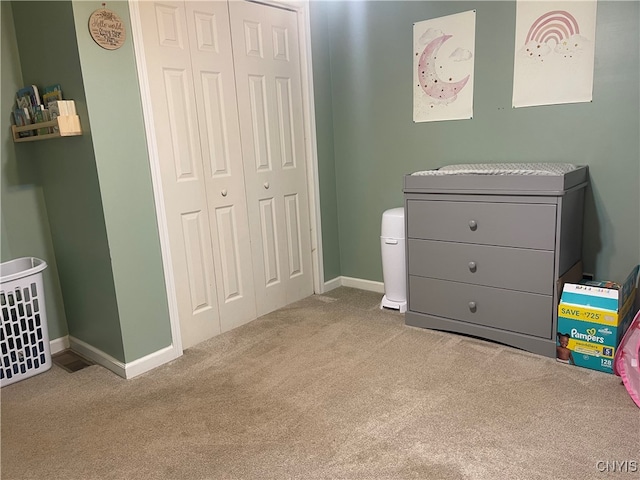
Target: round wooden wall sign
point(106, 29)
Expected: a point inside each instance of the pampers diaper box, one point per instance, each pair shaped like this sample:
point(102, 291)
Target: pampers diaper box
point(592, 317)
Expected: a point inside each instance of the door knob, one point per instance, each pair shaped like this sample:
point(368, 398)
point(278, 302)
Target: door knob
point(472, 266)
point(223, 192)
point(266, 185)
point(473, 224)
point(472, 306)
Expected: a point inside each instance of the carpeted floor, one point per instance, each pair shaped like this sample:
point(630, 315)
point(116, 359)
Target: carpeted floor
point(330, 387)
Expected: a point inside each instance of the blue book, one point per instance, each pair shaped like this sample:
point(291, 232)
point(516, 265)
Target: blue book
point(51, 93)
point(52, 88)
point(30, 92)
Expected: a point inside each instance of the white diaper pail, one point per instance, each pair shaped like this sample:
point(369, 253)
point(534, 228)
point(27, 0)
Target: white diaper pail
point(393, 260)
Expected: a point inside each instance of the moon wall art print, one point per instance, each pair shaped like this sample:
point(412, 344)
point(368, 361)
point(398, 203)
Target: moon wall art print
point(443, 62)
point(554, 52)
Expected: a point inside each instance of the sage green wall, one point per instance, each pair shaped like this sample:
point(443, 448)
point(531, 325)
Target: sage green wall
point(67, 169)
point(376, 141)
point(25, 223)
point(97, 186)
point(324, 134)
point(117, 128)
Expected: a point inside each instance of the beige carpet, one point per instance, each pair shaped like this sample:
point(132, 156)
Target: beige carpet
point(329, 388)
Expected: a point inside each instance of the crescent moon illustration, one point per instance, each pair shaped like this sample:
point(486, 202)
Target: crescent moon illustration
point(433, 85)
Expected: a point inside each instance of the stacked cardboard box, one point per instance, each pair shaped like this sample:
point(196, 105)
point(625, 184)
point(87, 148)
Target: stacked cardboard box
point(592, 318)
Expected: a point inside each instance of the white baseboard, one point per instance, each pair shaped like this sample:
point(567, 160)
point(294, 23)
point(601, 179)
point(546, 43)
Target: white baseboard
point(360, 283)
point(149, 362)
point(97, 356)
point(332, 284)
point(363, 284)
point(58, 345)
point(124, 370)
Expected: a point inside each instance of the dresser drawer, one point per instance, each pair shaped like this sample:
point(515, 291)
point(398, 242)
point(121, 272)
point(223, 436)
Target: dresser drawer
point(506, 224)
point(519, 312)
point(503, 267)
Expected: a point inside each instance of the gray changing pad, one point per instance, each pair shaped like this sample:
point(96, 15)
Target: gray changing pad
point(499, 178)
point(502, 169)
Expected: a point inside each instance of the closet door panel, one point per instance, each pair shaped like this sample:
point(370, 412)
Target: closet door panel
point(268, 83)
point(259, 122)
point(228, 243)
point(285, 122)
point(196, 241)
point(269, 241)
point(294, 242)
point(215, 93)
point(184, 142)
point(215, 130)
point(174, 117)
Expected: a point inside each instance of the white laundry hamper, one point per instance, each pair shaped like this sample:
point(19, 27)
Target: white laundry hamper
point(24, 337)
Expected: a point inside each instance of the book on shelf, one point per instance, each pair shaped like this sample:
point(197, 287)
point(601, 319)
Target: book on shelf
point(51, 93)
point(46, 115)
point(24, 103)
point(54, 112)
point(49, 97)
point(31, 92)
point(28, 97)
point(52, 88)
point(42, 115)
point(21, 118)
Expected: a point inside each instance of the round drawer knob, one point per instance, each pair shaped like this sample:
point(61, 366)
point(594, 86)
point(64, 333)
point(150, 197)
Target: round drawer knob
point(472, 266)
point(473, 224)
point(266, 185)
point(472, 306)
point(223, 192)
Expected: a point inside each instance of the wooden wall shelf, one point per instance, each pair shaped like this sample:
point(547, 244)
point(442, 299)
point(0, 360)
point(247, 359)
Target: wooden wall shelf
point(68, 126)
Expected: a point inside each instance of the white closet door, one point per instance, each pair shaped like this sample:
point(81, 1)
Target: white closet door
point(268, 83)
point(215, 94)
point(168, 63)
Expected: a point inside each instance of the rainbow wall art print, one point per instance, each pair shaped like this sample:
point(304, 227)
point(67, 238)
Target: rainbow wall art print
point(554, 53)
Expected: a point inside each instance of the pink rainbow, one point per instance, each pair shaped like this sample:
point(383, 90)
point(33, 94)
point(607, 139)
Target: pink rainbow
point(561, 20)
point(551, 33)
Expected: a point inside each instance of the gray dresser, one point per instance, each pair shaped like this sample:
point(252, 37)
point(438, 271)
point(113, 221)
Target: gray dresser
point(485, 252)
